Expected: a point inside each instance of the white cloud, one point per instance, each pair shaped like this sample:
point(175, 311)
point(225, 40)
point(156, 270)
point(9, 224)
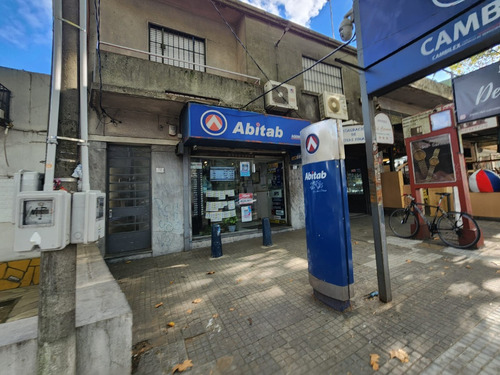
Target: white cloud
point(298, 11)
point(28, 22)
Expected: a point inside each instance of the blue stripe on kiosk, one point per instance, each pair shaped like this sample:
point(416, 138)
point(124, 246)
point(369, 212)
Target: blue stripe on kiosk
point(328, 231)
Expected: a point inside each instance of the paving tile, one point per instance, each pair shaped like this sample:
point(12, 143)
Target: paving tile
point(258, 314)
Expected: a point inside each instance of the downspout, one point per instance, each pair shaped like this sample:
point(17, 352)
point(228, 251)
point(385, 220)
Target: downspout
point(55, 93)
point(84, 126)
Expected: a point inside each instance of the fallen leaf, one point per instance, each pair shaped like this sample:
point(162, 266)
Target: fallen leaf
point(210, 272)
point(374, 361)
point(128, 261)
point(355, 242)
point(239, 280)
point(197, 300)
point(171, 282)
point(171, 324)
point(468, 266)
point(291, 280)
point(250, 321)
point(183, 366)
point(408, 261)
point(443, 273)
point(498, 271)
point(446, 267)
point(400, 354)
point(159, 304)
point(189, 311)
point(215, 316)
point(231, 309)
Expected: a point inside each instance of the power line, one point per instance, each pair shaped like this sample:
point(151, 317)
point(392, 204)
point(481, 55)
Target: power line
point(300, 73)
point(239, 40)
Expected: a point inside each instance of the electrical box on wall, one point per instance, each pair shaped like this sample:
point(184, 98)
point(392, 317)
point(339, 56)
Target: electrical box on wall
point(87, 216)
point(332, 105)
point(42, 220)
point(26, 181)
point(282, 98)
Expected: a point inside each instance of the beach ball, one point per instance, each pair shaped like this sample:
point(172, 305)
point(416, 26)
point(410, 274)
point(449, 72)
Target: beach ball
point(484, 181)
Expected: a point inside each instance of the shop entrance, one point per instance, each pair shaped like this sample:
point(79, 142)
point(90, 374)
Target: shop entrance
point(237, 193)
point(129, 200)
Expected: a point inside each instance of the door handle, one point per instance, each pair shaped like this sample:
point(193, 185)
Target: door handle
point(110, 213)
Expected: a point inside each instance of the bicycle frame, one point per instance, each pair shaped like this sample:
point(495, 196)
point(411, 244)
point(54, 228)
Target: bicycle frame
point(431, 225)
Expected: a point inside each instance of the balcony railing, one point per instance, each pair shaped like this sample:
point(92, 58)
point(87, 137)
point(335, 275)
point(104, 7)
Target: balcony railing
point(253, 79)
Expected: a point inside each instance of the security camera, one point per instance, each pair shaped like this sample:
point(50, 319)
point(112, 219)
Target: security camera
point(345, 28)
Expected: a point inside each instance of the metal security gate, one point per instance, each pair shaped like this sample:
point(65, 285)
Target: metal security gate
point(129, 200)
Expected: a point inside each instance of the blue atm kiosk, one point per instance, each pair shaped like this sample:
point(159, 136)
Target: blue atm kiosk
point(328, 230)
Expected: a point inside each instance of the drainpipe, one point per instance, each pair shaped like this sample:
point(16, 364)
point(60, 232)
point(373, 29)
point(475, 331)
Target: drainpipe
point(55, 93)
point(84, 136)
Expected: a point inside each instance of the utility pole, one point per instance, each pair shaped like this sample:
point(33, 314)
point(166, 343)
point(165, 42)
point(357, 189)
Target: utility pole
point(57, 299)
point(374, 171)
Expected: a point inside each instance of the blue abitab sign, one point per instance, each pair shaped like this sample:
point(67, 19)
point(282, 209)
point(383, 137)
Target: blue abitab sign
point(204, 124)
point(403, 40)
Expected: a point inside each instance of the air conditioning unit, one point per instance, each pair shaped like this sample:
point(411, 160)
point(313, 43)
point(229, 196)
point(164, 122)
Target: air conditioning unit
point(332, 105)
point(283, 98)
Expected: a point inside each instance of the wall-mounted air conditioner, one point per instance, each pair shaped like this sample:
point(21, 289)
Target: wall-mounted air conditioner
point(282, 98)
point(332, 105)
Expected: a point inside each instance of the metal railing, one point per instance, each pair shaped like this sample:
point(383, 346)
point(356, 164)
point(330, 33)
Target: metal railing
point(255, 79)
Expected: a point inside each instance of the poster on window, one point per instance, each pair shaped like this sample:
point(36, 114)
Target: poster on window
point(432, 160)
point(244, 168)
point(246, 214)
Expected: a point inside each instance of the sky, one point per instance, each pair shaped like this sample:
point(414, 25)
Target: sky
point(26, 26)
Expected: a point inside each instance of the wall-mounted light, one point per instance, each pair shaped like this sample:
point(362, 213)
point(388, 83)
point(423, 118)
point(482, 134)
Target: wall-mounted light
point(172, 130)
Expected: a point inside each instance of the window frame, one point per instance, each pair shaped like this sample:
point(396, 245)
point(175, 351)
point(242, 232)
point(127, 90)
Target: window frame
point(308, 82)
point(192, 49)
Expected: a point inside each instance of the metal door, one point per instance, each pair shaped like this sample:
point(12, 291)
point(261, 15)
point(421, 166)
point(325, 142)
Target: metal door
point(129, 200)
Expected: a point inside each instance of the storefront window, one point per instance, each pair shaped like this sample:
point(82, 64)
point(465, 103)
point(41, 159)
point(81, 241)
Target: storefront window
point(236, 193)
point(354, 182)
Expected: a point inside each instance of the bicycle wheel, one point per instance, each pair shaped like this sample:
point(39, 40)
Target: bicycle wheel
point(458, 229)
point(404, 223)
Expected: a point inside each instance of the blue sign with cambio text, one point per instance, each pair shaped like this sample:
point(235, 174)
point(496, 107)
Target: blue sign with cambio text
point(458, 29)
point(202, 122)
point(389, 25)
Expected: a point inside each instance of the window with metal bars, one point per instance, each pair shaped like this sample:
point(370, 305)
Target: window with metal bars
point(4, 105)
point(322, 77)
point(176, 48)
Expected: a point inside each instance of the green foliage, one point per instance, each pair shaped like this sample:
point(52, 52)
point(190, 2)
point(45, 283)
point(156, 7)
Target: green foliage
point(476, 62)
point(233, 220)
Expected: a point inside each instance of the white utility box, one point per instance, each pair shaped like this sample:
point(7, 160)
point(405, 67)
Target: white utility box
point(87, 216)
point(42, 220)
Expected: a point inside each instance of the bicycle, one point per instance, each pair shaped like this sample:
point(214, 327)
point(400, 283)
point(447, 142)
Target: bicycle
point(456, 229)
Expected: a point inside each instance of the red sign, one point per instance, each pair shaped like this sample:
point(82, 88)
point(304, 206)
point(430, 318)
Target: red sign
point(245, 198)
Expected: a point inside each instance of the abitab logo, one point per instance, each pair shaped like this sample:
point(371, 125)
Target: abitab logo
point(315, 175)
point(213, 122)
point(446, 3)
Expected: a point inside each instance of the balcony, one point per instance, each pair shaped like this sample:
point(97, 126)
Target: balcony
point(139, 84)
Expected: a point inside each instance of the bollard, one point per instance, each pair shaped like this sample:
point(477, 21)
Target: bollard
point(216, 241)
point(266, 232)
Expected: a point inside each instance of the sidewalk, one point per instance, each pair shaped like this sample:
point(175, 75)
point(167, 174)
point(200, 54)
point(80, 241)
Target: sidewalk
point(255, 312)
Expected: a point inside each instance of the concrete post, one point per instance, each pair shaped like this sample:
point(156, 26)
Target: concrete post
point(56, 312)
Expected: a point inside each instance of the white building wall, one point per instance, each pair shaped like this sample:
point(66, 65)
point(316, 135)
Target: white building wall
point(23, 147)
point(167, 201)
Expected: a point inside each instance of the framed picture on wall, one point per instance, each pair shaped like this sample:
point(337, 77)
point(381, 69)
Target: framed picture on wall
point(432, 160)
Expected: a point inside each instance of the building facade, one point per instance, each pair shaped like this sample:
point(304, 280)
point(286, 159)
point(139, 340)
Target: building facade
point(158, 63)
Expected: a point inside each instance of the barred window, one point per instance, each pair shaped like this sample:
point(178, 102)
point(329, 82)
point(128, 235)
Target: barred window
point(322, 77)
point(178, 49)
